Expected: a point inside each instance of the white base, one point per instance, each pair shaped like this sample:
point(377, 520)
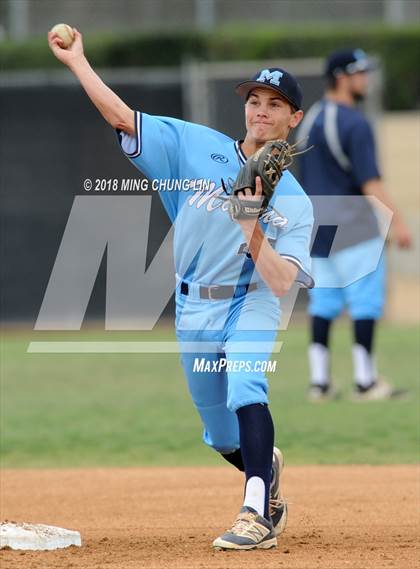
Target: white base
point(36, 536)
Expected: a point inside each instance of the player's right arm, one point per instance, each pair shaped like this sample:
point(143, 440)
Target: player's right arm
point(399, 230)
point(365, 170)
point(112, 108)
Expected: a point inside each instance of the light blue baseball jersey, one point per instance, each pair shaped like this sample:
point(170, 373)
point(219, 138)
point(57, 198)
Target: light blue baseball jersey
point(209, 247)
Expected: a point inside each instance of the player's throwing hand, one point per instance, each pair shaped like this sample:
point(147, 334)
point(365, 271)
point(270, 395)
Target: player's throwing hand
point(66, 55)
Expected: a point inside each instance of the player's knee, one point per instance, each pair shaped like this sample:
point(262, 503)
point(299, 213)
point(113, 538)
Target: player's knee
point(224, 449)
point(246, 389)
point(237, 400)
point(326, 303)
point(328, 312)
point(223, 442)
point(371, 312)
point(370, 307)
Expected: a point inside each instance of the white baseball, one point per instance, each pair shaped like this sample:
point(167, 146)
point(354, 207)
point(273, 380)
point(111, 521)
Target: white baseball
point(65, 33)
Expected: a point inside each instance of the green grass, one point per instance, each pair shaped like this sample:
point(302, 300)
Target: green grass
point(133, 409)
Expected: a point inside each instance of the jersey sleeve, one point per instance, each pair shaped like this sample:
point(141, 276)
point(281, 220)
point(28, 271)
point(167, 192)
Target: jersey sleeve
point(154, 150)
point(362, 153)
point(294, 244)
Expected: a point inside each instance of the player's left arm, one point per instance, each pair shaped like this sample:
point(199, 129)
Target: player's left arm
point(362, 154)
point(278, 273)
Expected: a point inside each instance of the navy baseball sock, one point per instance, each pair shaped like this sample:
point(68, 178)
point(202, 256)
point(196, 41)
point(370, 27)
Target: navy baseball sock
point(363, 333)
point(320, 330)
point(235, 458)
point(256, 432)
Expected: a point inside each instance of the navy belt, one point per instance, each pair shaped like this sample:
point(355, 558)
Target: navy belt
point(221, 292)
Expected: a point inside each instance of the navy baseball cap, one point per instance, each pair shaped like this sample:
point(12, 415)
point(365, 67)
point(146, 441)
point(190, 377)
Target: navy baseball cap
point(347, 61)
point(277, 79)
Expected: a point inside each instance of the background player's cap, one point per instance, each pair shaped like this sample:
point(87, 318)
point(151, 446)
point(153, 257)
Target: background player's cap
point(347, 61)
point(277, 79)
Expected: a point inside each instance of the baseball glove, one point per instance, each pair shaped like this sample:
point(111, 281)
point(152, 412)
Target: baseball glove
point(268, 162)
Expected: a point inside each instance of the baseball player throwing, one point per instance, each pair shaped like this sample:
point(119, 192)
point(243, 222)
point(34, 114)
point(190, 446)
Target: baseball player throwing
point(235, 256)
point(342, 165)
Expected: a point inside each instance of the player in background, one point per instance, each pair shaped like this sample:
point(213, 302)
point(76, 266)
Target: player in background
point(229, 285)
point(343, 163)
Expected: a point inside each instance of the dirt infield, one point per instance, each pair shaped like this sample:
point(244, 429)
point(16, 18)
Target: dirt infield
point(155, 518)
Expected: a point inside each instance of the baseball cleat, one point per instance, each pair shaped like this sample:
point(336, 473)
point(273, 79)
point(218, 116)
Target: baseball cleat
point(380, 390)
point(249, 531)
point(321, 393)
point(278, 505)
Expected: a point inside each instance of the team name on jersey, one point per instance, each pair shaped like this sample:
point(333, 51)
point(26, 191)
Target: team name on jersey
point(214, 198)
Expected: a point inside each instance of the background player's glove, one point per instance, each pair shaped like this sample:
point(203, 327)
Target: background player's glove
point(268, 163)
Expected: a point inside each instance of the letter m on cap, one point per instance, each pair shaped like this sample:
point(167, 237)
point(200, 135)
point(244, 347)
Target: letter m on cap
point(273, 77)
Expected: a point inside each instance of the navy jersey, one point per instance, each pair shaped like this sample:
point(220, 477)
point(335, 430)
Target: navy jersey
point(342, 159)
